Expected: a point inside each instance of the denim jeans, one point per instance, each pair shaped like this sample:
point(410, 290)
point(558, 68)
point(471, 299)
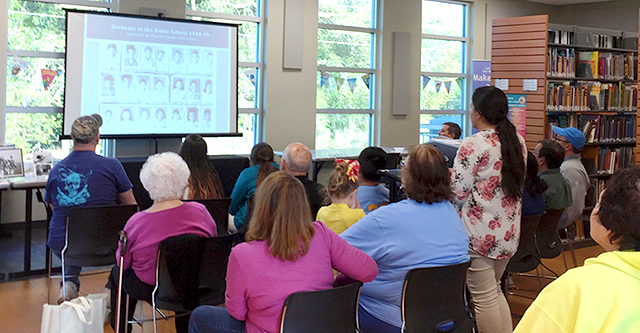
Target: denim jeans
point(214, 319)
point(370, 324)
point(71, 273)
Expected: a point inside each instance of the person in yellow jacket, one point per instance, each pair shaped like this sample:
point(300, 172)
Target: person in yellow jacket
point(345, 209)
point(602, 295)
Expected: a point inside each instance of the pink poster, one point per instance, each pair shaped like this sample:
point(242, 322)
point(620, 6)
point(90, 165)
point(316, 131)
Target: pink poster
point(518, 113)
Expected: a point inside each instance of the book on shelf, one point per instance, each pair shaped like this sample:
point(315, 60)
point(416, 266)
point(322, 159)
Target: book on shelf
point(591, 96)
point(561, 62)
point(588, 64)
point(612, 159)
point(607, 129)
point(617, 66)
point(561, 37)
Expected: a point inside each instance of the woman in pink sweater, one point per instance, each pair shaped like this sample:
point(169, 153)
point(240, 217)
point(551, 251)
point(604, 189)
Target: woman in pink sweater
point(285, 253)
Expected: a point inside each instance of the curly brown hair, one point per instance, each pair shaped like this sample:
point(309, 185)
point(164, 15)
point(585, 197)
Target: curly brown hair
point(339, 183)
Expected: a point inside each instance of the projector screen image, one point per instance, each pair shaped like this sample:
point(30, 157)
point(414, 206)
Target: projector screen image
point(151, 77)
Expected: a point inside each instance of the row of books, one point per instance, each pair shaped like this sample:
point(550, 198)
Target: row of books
point(592, 96)
point(561, 62)
point(607, 41)
point(612, 159)
point(561, 37)
point(607, 65)
point(608, 129)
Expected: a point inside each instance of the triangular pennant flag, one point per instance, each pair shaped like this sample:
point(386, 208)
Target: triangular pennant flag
point(324, 76)
point(339, 82)
point(251, 75)
point(438, 85)
point(47, 77)
point(425, 81)
point(352, 84)
point(459, 82)
point(447, 85)
point(367, 79)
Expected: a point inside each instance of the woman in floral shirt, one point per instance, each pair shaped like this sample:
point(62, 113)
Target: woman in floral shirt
point(488, 176)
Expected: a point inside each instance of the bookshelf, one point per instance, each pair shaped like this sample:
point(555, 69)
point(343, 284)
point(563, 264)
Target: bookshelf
point(586, 78)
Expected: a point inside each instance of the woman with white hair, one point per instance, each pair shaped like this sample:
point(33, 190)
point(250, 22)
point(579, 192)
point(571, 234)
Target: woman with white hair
point(165, 177)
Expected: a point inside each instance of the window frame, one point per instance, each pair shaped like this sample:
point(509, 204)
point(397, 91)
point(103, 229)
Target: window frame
point(257, 111)
point(374, 85)
point(466, 74)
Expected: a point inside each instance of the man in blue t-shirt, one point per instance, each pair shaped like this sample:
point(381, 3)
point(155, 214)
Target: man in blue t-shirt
point(371, 193)
point(83, 179)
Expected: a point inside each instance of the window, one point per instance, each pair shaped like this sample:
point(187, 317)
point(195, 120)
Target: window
point(248, 14)
point(346, 80)
point(444, 64)
point(36, 41)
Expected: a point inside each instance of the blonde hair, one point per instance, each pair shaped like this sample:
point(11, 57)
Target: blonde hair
point(282, 217)
point(339, 183)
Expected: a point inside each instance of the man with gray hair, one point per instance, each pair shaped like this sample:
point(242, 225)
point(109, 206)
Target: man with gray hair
point(83, 178)
point(296, 160)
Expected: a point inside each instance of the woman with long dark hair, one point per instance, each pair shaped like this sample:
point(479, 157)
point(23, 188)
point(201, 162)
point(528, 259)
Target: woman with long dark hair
point(532, 198)
point(488, 178)
point(204, 182)
point(249, 179)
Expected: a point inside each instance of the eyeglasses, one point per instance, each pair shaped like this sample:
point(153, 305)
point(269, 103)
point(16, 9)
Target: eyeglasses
point(557, 139)
point(402, 165)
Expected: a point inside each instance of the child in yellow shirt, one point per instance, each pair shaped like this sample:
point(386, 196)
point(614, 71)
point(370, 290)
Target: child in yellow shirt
point(345, 209)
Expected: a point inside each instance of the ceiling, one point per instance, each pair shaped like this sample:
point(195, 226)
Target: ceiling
point(565, 2)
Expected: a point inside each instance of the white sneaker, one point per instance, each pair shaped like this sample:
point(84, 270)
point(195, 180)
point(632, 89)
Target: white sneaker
point(70, 291)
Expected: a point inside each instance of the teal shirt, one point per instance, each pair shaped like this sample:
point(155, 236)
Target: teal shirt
point(244, 188)
point(558, 194)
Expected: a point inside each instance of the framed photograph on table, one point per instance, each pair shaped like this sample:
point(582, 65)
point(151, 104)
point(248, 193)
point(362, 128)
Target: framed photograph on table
point(11, 163)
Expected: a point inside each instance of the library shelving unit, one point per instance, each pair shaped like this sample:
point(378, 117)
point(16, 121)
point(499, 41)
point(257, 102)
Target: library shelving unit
point(586, 78)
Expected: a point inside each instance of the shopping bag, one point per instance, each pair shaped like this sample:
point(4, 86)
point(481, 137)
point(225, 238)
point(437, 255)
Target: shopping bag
point(80, 315)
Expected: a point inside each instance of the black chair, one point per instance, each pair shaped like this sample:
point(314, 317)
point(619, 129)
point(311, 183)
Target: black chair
point(547, 239)
point(190, 271)
point(527, 257)
point(433, 300)
point(219, 210)
point(332, 310)
point(92, 235)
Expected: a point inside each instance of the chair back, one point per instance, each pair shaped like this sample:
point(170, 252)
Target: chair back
point(92, 234)
point(433, 300)
point(332, 310)
point(527, 256)
point(219, 210)
point(191, 271)
point(547, 239)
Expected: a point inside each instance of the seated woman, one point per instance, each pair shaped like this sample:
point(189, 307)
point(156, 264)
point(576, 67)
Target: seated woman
point(602, 295)
point(204, 182)
point(532, 198)
point(421, 231)
point(371, 193)
point(165, 176)
point(345, 209)
point(249, 179)
point(285, 253)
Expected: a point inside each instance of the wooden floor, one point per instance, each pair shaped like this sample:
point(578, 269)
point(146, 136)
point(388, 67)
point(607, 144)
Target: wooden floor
point(22, 301)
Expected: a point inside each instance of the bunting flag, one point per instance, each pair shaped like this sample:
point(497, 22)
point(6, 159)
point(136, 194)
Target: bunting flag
point(339, 82)
point(425, 81)
point(324, 76)
point(352, 84)
point(447, 86)
point(459, 82)
point(367, 79)
point(251, 75)
point(438, 85)
point(47, 77)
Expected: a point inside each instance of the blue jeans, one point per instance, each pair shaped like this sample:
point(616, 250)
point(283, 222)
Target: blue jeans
point(71, 273)
point(370, 324)
point(214, 319)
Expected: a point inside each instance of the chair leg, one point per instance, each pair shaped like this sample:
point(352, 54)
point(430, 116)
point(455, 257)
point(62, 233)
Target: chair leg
point(573, 252)
point(538, 270)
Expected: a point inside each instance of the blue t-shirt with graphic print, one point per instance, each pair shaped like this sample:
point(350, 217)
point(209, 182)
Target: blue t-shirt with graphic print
point(82, 179)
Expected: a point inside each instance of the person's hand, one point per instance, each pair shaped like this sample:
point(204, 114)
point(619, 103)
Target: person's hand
point(356, 204)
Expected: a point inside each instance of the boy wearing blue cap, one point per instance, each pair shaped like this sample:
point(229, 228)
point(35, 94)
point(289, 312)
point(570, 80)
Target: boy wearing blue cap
point(572, 140)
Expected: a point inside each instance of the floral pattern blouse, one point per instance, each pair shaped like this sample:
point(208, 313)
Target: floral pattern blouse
point(492, 220)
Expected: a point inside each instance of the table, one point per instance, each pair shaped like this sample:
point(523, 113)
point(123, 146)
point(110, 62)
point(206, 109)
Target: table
point(321, 156)
point(28, 184)
point(4, 185)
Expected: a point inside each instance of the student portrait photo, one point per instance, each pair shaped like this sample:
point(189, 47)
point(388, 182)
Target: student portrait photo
point(160, 91)
point(147, 60)
point(161, 61)
point(111, 57)
point(130, 56)
point(192, 119)
point(194, 62)
point(108, 87)
point(161, 118)
point(125, 91)
point(177, 61)
point(142, 88)
point(193, 95)
point(178, 93)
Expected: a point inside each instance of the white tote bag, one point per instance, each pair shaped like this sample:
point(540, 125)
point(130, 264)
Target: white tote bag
point(80, 315)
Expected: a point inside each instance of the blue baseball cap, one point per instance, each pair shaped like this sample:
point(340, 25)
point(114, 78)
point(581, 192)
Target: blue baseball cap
point(573, 135)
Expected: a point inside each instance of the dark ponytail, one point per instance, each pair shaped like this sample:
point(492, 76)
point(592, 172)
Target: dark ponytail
point(262, 155)
point(491, 103)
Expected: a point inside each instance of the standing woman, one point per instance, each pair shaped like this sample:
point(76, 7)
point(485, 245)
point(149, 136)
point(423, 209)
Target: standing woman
point(488, 178)
point(204, 182)
point(249, 179)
